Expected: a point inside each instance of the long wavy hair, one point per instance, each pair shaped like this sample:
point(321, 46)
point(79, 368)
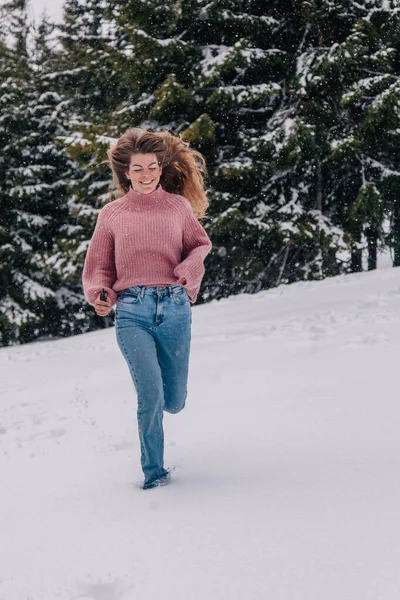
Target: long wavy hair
point(183, 169)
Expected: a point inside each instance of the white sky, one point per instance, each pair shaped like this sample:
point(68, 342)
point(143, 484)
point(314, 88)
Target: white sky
point(52, 7)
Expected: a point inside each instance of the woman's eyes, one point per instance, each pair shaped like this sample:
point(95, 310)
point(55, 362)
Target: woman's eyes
point(140, 170)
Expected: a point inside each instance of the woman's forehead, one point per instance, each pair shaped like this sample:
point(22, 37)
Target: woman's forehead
point(143, 160)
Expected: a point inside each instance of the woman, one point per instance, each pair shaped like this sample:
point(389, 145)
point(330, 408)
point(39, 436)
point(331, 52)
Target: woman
point(147, 253)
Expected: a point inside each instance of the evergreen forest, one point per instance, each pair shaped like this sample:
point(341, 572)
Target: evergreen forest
point(295, 105)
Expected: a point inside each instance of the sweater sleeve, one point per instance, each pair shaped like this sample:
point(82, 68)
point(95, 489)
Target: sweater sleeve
point(196, 246)
point(99, 270)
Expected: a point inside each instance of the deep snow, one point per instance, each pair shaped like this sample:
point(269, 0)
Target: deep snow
point(286, 483)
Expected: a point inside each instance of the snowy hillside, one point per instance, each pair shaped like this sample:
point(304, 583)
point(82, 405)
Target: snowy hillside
point(286, 483)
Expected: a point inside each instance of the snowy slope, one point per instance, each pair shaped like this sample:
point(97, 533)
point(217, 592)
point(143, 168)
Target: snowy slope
point(286, 483)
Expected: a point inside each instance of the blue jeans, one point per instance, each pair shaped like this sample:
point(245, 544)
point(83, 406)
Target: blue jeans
point(153, 327)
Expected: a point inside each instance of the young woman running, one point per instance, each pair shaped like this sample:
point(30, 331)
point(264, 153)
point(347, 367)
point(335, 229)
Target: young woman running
point(147, 254)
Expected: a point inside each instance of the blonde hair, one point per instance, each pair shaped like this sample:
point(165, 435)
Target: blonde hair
point(182, 167)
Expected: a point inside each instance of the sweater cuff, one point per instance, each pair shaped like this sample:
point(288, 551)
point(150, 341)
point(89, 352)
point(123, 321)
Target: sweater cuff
point(193, 283)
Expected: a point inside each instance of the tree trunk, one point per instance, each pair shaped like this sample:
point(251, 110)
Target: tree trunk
point(356, 255)
point(396, 240)
point(330, 265)
point(318, 206)
point(356, 261)
point(396, 257)
point(318, 193)
point(283, 265)
point(372, 250)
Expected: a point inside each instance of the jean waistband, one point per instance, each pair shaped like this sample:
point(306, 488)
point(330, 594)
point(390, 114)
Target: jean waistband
point(156, 290)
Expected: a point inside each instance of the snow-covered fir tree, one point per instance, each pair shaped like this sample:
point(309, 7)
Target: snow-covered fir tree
point(217, 72)
point(55, 113)
point(261, 89)
point(35, 301)
point(294, 105)
point(87, 75)
point(347, 84)
point(370, 132)
point(24, 288)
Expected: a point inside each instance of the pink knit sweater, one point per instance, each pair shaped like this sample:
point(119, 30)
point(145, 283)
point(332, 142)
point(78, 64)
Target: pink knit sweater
point(145, 239)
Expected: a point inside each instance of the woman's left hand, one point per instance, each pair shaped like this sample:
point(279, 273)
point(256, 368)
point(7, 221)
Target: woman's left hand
point(182, 281)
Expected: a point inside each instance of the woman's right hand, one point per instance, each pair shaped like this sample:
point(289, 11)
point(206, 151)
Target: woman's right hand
point(102, 308)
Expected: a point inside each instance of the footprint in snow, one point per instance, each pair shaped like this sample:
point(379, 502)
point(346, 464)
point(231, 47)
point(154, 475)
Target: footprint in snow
point(57, 432)
point(102, 591)
point(122, 445)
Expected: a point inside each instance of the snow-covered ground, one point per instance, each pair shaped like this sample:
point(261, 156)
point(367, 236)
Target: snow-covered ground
point(287, 458)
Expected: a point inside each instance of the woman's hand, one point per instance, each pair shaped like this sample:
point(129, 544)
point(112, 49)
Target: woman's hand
point(182, 281)
point(102, 308)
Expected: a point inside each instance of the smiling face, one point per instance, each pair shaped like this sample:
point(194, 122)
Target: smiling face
point(144, 173)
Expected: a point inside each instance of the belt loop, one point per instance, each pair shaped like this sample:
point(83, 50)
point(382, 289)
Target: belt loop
point(142, 292)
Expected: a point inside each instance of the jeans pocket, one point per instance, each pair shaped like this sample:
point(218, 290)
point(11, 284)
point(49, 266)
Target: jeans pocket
point(179, 295)
point(129, 296)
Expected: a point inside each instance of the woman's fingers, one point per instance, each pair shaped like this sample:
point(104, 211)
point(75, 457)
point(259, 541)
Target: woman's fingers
point(102, 312)
point(99, 302)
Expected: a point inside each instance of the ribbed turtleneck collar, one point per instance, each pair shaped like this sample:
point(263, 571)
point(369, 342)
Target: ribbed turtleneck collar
point(145, 199)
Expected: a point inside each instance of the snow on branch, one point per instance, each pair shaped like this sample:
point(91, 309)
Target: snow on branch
point(14, 313)
point(384, 170)
point(137, 106)
point(366, 85)
point(20, 191)
point(30, 218)
point(32, 289)
point(253, 19)
point(216, 56)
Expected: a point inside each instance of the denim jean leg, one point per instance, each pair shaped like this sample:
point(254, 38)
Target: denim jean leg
point(173, 338)
point(139, 349)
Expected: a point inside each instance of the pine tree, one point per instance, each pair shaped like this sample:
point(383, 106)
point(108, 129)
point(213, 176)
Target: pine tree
point(220, 81)
point(347, 89)
point(294, 105)
point(19, 291)
point(263, 91)
point(34, 301)
point(52, 112)
point(87, 76)
point(371, 125)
